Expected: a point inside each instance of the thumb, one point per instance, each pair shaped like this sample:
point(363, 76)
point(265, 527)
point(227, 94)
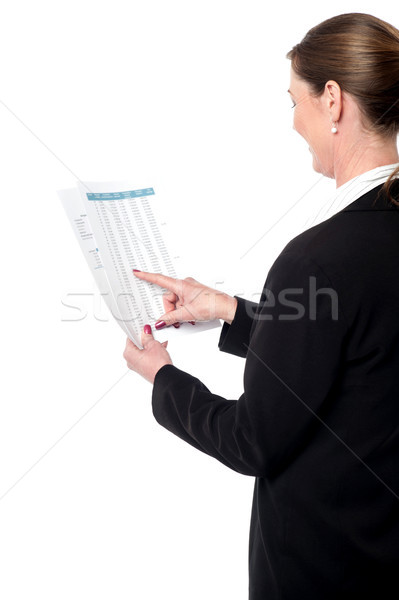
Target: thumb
point(146, 335)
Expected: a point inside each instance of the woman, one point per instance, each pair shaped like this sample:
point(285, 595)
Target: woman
point(318, 422)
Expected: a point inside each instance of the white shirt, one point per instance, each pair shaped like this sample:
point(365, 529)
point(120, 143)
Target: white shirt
point(353, 189)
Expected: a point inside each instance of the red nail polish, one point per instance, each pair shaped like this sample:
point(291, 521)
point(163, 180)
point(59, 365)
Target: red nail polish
point(176, 325)
point(192, 322)
point(147, 329)
point(136, 271)
point(160, 324)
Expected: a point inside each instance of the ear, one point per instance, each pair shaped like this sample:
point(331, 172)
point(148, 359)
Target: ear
point(333, 97)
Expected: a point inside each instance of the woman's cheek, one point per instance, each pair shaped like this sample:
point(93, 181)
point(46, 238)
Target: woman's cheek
point(299, 125)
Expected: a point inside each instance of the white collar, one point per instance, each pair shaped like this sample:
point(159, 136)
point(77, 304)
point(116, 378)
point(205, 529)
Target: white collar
point(353, 189)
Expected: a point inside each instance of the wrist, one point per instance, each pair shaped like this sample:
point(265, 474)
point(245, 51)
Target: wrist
point(228, 309)
point(152, 378)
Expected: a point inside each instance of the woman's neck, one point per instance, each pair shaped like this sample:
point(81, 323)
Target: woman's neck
point(358, 158)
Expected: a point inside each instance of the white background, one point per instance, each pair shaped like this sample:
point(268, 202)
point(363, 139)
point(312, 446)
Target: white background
point(97, 501)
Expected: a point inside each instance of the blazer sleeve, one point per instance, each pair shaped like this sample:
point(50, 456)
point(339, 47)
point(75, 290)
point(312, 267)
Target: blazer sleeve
point(234, 338)
point(294, 356)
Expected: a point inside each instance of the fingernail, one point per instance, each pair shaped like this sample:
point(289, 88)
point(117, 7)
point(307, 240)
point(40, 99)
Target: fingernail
point(147, 329)
point(192, 322)
point(176, 325)
point(136, 271)
point(160, 324)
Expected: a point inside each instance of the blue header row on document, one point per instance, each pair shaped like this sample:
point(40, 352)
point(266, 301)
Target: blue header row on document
point(121, 195)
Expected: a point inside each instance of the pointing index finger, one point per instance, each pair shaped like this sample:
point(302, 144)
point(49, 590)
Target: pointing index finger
point(168, 283)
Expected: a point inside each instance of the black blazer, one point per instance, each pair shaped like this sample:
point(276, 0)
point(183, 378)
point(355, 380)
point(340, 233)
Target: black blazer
point(318, 422)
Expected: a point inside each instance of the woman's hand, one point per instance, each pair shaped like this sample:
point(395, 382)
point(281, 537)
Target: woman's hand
point(189, 300)
point(148, 361)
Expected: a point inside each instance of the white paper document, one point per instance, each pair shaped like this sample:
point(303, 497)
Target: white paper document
point(119, 228)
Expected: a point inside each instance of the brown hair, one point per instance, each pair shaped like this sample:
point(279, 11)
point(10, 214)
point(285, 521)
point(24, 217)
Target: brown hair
point(360, 53)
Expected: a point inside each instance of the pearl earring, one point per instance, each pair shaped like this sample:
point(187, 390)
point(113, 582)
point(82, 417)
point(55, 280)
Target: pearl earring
point(334, 128)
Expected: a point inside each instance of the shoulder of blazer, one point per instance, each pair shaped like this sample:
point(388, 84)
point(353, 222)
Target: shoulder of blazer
point(337, 236)
point(372, 200)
